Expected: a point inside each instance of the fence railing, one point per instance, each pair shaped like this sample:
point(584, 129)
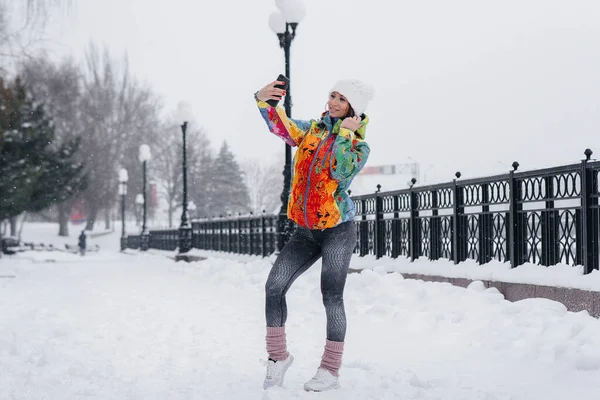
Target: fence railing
point(544, 217)
point(242, 235)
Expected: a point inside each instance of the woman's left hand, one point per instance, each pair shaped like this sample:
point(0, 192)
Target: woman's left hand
point(352, 123)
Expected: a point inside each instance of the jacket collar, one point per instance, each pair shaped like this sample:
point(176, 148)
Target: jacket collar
point(335, 126)
point(332, 125)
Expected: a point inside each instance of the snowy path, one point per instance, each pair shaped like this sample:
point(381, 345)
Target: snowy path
point(113, 326)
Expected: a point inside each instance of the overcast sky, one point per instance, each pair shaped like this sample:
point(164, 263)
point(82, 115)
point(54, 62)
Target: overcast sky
point(468, 85)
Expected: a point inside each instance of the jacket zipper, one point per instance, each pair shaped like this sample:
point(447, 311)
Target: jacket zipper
point(327, 153)
point(308, 182)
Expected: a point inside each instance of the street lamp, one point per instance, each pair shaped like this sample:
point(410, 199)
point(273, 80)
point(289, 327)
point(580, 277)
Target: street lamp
point(139, 205)
point(185, 229)
point(123, 178)
point(284, 23)
point(144, 157)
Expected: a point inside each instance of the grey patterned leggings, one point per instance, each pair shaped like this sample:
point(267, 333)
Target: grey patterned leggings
point(304, 248)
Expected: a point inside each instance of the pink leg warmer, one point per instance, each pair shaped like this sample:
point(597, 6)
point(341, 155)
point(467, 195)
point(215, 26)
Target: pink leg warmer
point(276, 345)
point(332, 357)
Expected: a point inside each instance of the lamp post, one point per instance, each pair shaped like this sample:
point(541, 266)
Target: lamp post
point(139, 205)
point(144, 157)
point(185, 229)
point(284, 23)
point(123, 178)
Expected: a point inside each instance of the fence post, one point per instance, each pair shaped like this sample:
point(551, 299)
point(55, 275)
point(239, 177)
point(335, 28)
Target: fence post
point(396, 229)
point(435, 232)
point(201, 233)
point(251, 233)
point(550, 226)
point(379, 240)
point(229, 232)
point(589, 218)
point(459, 240)
point(364, 230)
point(208, 241)
point(516, 227)
point(239, 235)
point(223, 233)
point(215, 233)
point(263, 233)
point(414, 226)
point(486, 227)
point(204, 239)
point(210, 232)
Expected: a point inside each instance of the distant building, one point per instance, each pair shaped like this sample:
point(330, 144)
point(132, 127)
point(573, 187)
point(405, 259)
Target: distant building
point(389, 176)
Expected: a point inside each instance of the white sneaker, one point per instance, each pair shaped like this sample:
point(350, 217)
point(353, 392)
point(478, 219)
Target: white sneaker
point(323, 380)
point(276, 371)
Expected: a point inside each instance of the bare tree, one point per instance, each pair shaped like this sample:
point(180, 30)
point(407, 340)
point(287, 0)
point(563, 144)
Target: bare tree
point(169, 161)
point(43, 7)
point(118, 114)
point(23, 26)
point(264, 181)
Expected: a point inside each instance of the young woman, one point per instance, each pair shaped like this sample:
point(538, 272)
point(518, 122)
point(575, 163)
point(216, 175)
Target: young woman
point(331, 151)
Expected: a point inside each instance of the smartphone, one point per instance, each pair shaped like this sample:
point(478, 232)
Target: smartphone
point(280, 78)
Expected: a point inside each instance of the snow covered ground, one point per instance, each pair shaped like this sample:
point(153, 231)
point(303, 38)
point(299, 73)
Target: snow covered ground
point(140, 326)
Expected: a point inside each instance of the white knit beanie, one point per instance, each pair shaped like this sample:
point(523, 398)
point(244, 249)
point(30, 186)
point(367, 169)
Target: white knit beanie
point(358, 93)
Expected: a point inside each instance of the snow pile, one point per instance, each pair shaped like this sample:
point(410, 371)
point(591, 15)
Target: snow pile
point(558, 275)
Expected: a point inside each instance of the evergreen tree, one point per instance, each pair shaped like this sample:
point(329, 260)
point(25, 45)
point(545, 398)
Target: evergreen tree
point(34, 174)
point(60, 87)
point(227, 192)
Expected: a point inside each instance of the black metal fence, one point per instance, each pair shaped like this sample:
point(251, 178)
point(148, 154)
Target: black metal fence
point(242, 235)
point(545, 217)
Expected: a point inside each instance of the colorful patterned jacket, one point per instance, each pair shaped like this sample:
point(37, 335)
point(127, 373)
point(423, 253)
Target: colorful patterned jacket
point(326, 161)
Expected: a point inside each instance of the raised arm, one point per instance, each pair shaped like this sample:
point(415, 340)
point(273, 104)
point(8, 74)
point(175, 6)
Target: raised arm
point(350, 153)
point(292, 131)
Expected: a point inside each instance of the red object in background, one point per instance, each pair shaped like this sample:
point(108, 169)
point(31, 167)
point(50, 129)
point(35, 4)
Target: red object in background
point(153, 195)
point(77, 213)
point(371, 170)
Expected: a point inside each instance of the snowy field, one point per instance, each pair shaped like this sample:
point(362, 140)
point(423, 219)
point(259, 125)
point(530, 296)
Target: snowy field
point(140, 326)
